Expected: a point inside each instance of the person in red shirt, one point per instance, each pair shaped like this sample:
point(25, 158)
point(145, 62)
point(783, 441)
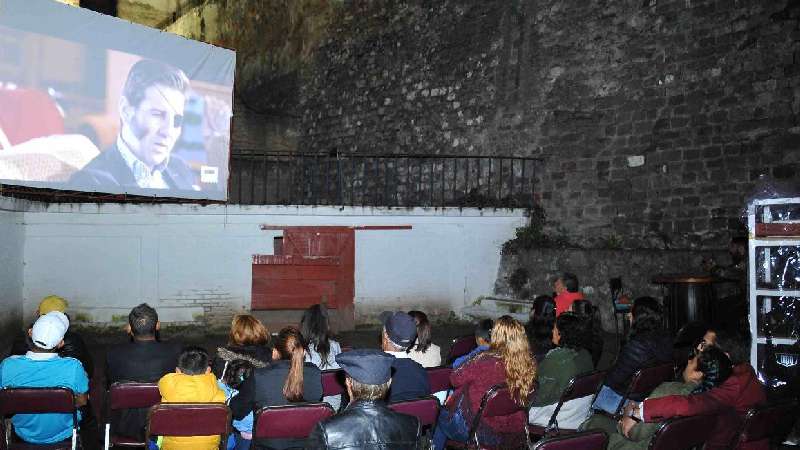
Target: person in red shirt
point(567, 291)
point(729, 402)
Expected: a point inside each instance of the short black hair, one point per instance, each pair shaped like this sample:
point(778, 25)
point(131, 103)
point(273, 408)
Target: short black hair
point(572, 329)
point(716, 368)
point(193, 360)
point(736, 343)
point(143, 320)
point(484, 329)
point(570, 281)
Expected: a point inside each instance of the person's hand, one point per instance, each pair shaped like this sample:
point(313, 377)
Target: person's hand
point(690, 373)
point(626, 424)
point(629, 409)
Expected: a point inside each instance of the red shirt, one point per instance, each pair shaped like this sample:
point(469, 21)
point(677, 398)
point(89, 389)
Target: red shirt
point(564, 301)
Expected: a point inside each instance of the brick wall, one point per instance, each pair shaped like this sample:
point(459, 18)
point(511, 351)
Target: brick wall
point(654, 118)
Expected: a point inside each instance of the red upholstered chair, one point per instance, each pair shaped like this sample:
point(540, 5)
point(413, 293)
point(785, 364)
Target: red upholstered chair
point(425, 409)
point(681, 433)
point(38, 401)
point(294, 421)
point(189, 419)
point(333, 382)
point(127, 396)
point(642, 384)
point(496, 402)
point(587, 440)
point(439, 378)
point(580, 386)
point(460, 347)
point(767, 422)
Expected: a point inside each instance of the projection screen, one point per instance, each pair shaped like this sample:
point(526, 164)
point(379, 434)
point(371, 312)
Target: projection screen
point(93, 103)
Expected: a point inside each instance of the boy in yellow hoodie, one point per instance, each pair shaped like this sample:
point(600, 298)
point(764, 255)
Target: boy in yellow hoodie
point(191, 382)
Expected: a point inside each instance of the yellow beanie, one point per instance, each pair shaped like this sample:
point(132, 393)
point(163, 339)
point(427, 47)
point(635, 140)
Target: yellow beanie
point(52, 303)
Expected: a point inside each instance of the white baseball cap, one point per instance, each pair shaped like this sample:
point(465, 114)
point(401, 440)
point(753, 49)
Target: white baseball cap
point(49, 330)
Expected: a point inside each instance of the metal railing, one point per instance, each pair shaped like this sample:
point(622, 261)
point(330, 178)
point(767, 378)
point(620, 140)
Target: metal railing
point(382, 180)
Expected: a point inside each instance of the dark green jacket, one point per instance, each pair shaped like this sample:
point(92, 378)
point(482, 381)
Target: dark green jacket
point(558, 367)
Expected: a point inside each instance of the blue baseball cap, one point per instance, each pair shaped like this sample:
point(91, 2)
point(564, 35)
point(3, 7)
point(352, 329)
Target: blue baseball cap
point(367, 366)
point(401, 328)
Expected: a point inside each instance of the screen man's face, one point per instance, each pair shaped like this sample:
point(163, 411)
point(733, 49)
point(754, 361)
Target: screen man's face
point(156, 124)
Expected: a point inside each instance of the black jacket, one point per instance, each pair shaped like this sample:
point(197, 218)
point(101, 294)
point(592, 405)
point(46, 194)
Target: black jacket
point(367, 425)
point(409, 380)
point(258, 355)
point(640, 351)
point(74, 347)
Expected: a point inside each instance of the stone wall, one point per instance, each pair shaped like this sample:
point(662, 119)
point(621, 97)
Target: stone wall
point(654, 118)
point(595, 267)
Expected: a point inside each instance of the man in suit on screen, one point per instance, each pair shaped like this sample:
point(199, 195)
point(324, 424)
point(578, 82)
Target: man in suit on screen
point(151, 110)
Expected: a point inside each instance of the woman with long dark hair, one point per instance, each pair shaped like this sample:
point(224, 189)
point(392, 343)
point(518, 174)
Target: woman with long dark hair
point(424, 351)
point(593, 328)
point(288, 379)
point(322, 348)
point(648, 344)
point(539, 328)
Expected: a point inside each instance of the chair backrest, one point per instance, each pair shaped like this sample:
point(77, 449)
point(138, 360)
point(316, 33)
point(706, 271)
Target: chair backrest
point(333, 382)
point(289, 421)
point(461, 346)
point(580, 386)
point(496, 402)
point(770, 421)
point(36, 400)
point(648, 378)
point(425, 409)
point(189, 419)
point(439, 378)
point(681, 433)
point(587, 440)
point(133, 395)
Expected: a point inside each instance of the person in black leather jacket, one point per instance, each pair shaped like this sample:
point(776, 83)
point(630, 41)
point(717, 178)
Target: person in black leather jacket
point(367, 423)
point(649, 344)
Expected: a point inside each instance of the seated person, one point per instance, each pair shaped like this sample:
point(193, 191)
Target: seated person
point(424, 351)
point(593, 328)
point(483, 333)
point(740, 392)
point(711, 369)
point(410, 380)
point(567, 291)
point(143, 360)
point(539, 328)
point(236, 372)
point(191, 382)
point(568, 359)
point(42, 366)
point(366, 423)
point(288, 379)
point(648, 344)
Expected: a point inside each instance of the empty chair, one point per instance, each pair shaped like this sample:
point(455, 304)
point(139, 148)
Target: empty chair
point(496, 402)
point(333, 382)
point(425, 409)
point(681, 433)
point(294, 421)
point(580, 386)
point(39, 401)
point(460, 347)
point(189, 419)
point(767, 422)
point(127, 396)
point(439, 378)
point(587, 440)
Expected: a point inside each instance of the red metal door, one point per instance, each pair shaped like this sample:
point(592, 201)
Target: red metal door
point(317, 265)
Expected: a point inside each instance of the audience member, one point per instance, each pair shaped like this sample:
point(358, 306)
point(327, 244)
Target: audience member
point(248, 341)
point(73, 347)
point(539, 328)
point(42, 366)
point(287, 379)
point(191, 382)
point(567, 291)
point(593, 328)
point(410, 380)
point(424, 351)
point(712, 369)
point(509, 361)
point(144, 360)
point(483, 338)
point(648, 344)
point(568, 359)
point(367, 423)
point(322, 349)
point(236, 372)
point(740, 392)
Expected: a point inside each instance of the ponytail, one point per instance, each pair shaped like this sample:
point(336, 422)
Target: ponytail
point(291, 347)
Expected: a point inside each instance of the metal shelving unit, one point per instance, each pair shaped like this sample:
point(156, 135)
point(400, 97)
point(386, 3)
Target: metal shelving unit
point(769, 237)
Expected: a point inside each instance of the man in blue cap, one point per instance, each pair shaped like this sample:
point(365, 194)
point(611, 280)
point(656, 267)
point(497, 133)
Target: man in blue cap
point(367, 423)
point(409, 379)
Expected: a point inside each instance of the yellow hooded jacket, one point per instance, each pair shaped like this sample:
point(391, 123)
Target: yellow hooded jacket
point(177, 388)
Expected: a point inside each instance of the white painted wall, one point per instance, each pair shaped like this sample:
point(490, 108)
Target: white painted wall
point(12, 237)
point(182, 258)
